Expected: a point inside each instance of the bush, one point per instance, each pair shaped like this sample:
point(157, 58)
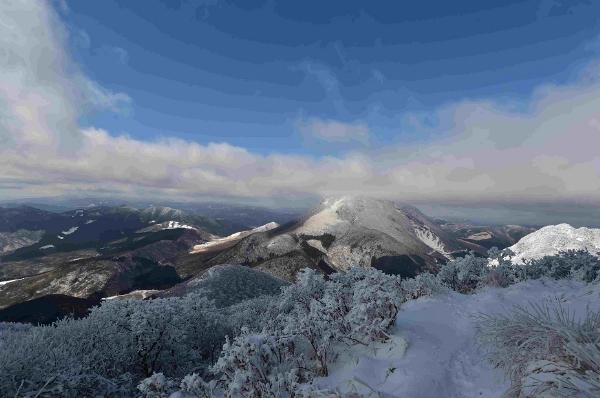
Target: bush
point(579, 265)
point(156, 386)
point(119, 343)
point(464, 274)
point(259, 366)
point(315, 318)
point(161, 340)
point(544, 349)
point(422, 285)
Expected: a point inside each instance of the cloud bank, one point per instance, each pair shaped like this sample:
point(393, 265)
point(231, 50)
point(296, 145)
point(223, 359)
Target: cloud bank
point(487, 152)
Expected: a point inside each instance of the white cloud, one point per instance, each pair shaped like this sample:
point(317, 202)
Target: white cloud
point(335, 131)
point(488, 153)
point(99, 97)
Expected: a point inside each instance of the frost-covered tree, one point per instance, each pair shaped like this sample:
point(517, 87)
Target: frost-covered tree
point(316, 318)
point(464, 274)
point(261, 366)
point(580, 265)
point(156, 386)
point(421, 285)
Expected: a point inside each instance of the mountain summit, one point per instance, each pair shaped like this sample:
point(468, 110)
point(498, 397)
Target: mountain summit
point(348, 231)
point(552, 239)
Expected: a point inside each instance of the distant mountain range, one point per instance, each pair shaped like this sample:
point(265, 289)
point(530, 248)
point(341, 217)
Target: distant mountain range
point(349, 231)
point(104, 251)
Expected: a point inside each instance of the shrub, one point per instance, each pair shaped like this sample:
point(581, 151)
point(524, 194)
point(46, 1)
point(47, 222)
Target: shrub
point(259, 366)
point(464, 274)
point(156, 386)
point(422, 285)
point(119, 343)
point(580, 265)
point(315, 317)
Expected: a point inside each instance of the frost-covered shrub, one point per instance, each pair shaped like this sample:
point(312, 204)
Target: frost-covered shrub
point(251, 313)
point(227, 285)
point(580, 265)
point(119, 343)
point(366, 302)
point(422, 285)
point(195, 386)
point(259, 366)
point(464, 274)
point(314, 318)
point(355, 307)
point(502, 275)
point(545, 350)
point(156, 386)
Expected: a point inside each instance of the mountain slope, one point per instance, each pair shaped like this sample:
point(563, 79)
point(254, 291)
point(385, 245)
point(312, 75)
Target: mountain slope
point(343, 232)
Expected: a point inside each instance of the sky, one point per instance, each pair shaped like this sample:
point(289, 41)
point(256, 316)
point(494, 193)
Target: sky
point(461, 102)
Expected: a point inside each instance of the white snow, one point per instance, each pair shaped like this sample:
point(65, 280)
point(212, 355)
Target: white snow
point(552, 239)
point(317, 245)
point(136, 294)
point(442, 359)
point(484, 235)
point(70, 231)
point(90, 221)
point(60, 237)
point(217, 241)
point(432, 240)
point(327, 217)
point(2, 283)
point(47, 247)
point(177, 224)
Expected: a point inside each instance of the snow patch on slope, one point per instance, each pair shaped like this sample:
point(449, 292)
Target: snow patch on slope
point(317, 245)
point(480, 236)
point(70, 231)
point(176, 225)
point(552, 239)
point(2, 283)
point(432, 240)
point(216, 241)
point(320, 222)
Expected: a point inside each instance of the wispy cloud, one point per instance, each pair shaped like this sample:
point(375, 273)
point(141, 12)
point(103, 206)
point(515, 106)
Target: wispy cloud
point(335, 131)
point(489, 152)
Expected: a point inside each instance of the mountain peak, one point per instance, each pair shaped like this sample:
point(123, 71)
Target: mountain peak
point(552, 239)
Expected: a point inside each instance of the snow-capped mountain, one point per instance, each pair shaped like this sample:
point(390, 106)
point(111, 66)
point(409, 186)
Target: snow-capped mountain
point(343, 232)
point(552, 239)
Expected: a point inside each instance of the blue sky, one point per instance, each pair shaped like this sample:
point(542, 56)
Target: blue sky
point(478, 104)
point(249, 72)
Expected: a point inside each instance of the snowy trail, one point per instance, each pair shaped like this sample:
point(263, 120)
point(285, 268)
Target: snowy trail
point(442, 358)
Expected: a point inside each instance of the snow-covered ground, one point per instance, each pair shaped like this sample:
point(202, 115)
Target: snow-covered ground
point(136, 294)
point(442, 358)
point(70, 231)
point(552, 239)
